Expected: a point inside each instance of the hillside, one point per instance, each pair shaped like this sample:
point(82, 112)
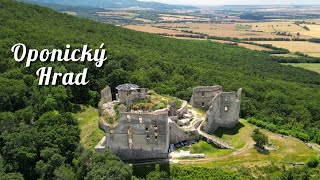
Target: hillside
point(284, 96)
point(243, 158)
point(112, 4)
point(38, 130)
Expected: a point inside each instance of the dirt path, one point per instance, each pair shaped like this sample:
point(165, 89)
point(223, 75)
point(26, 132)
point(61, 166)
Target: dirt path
point(213, 139)
point(242, 150)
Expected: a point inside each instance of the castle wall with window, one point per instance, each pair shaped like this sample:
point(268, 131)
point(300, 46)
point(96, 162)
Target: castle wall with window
point(223, 112)
point(140, 136)
point(202, 96)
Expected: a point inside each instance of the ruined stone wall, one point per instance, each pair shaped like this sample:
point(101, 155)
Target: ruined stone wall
point(105, 98)
point(126, 97)
point(202, 96)
point(183, 109)
point(122, 96)
point(178, 134)
point(106, 95)
point(140, 136)
point(224, 111)
point(103, 126)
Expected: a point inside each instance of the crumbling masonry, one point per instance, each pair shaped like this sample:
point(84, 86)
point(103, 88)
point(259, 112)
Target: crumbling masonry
point(138, 135)
point(224, 107)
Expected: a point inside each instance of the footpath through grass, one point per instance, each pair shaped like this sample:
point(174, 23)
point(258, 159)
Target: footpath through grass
point(288, 149)
point(91, 134)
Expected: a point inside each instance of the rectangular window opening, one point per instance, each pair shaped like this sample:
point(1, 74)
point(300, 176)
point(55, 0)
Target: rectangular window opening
point(140, 120)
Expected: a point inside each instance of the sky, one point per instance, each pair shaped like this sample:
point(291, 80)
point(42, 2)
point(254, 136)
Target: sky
point(239, 2)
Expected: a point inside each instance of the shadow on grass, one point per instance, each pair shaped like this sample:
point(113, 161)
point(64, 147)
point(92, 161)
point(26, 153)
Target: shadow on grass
point(78, 108)
point(229, 131)
point(261, 150)
point(142, 170)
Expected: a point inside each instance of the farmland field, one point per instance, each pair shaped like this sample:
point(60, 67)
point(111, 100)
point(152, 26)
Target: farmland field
point(171, 17)
point(143, 20)
point(243, 31)
point(309, 48)
point(254, 47)
point(314, 31)
point(288, 27)
point(223, 30)
point(273, 27)
point(115, 13)
point(222, 41)
point(149, 29)
point(285, 55)
point(310, 66)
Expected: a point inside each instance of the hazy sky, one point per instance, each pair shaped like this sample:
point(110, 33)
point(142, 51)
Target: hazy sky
point(237, 2)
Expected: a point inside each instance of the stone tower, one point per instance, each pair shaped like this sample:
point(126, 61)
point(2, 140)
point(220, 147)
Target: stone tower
point(202, 96)
point(224, 111)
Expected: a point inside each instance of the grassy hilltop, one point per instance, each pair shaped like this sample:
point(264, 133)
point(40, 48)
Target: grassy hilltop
point(38, 132)
point(283, 97)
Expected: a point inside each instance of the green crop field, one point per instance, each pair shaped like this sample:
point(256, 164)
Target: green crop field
point(310, 66)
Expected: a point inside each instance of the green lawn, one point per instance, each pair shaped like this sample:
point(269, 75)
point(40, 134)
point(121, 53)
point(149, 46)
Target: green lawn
point(237, 136)
point(91, 134)
point(201, 147)
point(310, 66)
point(244, 154)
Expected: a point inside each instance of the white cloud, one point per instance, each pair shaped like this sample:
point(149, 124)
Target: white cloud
point(240, 2)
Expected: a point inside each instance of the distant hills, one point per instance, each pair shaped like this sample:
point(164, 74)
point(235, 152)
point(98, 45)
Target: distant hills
point(111, 4)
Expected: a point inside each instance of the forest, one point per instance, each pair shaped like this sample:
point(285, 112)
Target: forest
point(39, 135)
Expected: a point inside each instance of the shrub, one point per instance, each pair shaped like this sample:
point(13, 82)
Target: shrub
point(313, 162)
point(260, 138)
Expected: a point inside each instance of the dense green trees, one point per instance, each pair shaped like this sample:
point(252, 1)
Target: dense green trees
point(203, 173)
point(173, 67)
point(43, 147)
point(39, 138)
point(313, 162)
point(93, 166)
point(155, 175)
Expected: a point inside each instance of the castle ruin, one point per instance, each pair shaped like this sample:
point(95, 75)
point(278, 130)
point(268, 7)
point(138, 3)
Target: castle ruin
point(223, 112)
point(202, 96)
point(138, 134)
